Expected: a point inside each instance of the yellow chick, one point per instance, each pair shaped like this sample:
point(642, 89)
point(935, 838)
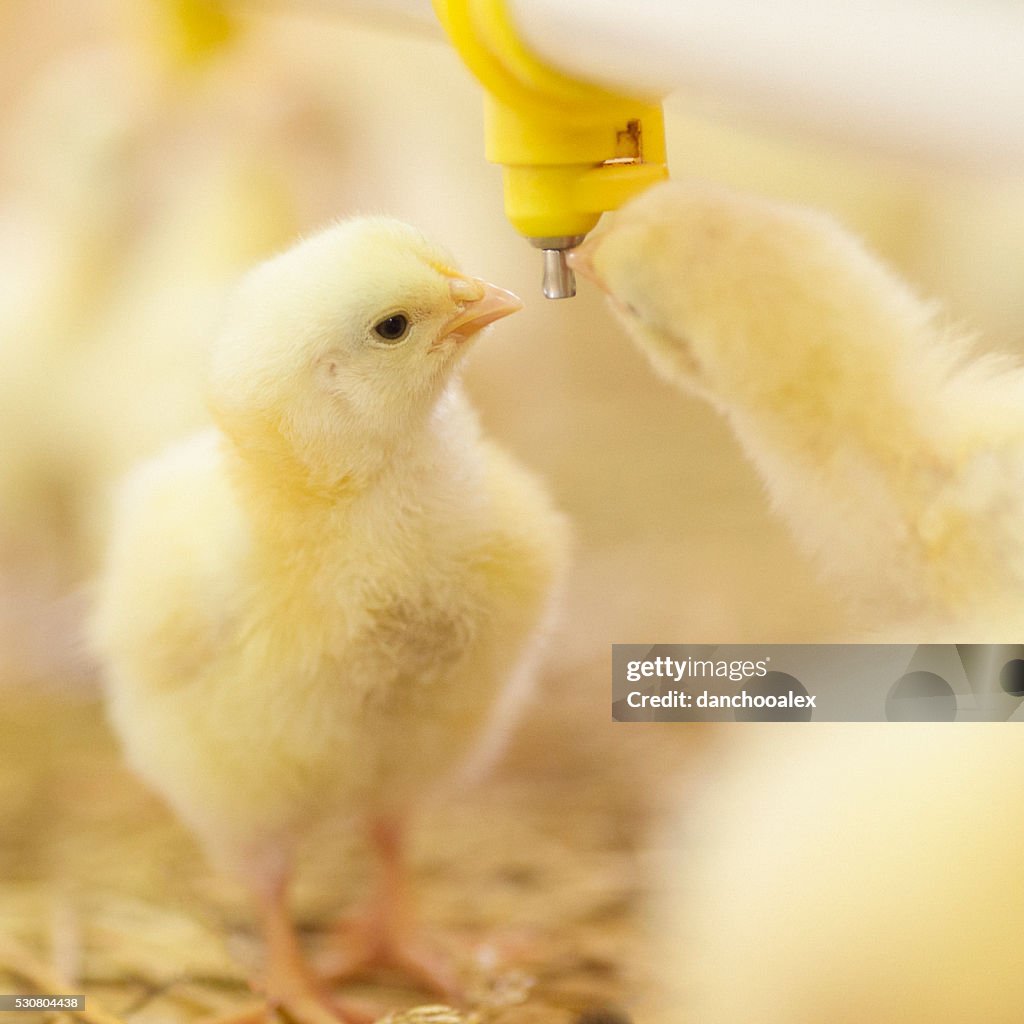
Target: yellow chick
point(897, 461)
point(855, 874)
point(312, 609)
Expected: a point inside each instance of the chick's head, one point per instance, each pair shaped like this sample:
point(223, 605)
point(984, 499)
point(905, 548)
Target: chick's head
point(675, 265)
point(336, 351)
point(725, 291)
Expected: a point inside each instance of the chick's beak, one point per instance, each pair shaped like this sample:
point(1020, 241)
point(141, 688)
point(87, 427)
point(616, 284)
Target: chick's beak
point(482, 304)
point(581, 260)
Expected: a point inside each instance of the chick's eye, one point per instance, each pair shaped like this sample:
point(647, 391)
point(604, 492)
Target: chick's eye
point(393, 328)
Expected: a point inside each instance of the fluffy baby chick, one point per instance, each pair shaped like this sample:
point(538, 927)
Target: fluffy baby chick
point(863, 874)
point(898, 463)
point(310, 610)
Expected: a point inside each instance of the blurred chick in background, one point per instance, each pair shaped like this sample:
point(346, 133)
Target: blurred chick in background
point(896, 459)
point(146, 172)
point(60, 225)
point(311, 610)
point(856, 874)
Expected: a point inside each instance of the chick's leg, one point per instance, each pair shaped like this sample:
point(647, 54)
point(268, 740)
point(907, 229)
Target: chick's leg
point(288, 985)
point(383, 937)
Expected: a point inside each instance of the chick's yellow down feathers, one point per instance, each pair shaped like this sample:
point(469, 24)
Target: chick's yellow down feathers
point(313, 608)
point(852, 873)
point(897, 461)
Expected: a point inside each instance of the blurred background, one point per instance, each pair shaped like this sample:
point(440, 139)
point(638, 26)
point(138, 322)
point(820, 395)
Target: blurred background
point(151, 151)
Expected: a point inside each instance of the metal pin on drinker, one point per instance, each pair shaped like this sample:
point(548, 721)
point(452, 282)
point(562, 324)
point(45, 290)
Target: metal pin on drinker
point(559, 280)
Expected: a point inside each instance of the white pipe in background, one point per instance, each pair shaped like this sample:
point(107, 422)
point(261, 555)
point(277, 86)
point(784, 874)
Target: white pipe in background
point(937, 79)
point(933, 79)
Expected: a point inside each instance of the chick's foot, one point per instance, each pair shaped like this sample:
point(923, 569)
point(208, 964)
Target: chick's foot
point(381, 939)
point(296, 1012)
point(289, 987)
point(290, 994)
point(358, 951)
